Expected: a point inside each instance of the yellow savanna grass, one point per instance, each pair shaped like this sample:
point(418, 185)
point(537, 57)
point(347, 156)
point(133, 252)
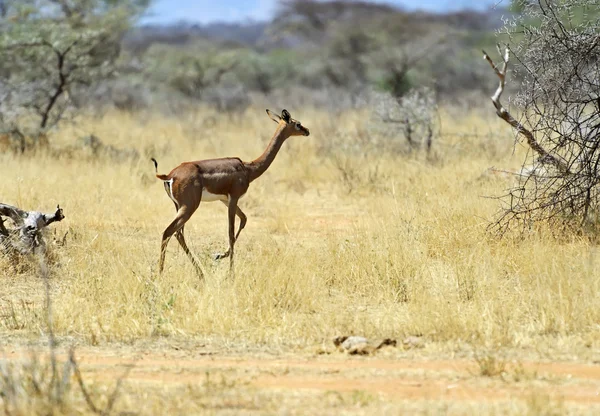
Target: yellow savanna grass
point(402, 250)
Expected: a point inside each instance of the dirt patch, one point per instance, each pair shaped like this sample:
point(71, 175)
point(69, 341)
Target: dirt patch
point(386, 379)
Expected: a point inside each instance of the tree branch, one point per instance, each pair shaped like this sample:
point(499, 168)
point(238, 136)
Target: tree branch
point(14, 213)
point(63, 82)
point(3, 230)
point(29, 225)
point(56, 217)
point(506, 116)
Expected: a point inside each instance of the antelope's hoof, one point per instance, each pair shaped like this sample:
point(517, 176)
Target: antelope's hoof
point(219, 256)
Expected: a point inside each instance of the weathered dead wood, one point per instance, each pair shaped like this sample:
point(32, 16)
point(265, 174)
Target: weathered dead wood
point(26, 233)
point(506, 116)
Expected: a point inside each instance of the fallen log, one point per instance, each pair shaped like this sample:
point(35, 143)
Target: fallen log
point(26, 233)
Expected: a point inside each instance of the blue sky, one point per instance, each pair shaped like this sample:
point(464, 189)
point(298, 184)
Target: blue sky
point(203, 11)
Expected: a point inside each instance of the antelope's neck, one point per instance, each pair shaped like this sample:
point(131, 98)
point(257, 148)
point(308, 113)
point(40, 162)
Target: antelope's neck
point(259, 165)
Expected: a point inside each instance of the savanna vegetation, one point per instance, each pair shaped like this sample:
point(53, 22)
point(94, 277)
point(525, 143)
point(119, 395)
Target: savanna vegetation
point(382, 223)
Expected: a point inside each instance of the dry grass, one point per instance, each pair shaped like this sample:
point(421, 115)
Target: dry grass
point(405, 253)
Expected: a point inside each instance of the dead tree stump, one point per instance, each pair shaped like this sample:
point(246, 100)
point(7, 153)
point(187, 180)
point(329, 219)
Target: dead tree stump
point(26, 234)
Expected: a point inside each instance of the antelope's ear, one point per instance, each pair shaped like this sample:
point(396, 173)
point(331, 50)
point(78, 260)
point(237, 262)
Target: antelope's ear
point(273, 116)
point(285, 115)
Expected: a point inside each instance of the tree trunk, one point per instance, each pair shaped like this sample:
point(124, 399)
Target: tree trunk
point(26, 235)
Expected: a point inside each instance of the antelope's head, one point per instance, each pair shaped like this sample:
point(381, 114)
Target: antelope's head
point(292, 127)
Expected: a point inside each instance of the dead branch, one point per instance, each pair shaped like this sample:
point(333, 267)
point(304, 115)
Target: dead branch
point(26, 235)
point(506, 116)
point(14, 213)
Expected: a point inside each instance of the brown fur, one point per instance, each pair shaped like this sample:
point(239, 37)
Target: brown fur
point(229, 177)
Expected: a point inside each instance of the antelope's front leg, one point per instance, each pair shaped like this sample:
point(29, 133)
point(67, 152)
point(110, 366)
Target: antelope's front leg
point(243, 219)
point(232, 209)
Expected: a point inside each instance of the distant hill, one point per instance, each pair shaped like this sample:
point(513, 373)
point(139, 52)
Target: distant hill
point(245, 34)
point(260, 34)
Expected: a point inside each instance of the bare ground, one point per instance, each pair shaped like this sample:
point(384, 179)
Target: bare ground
point(328, 381)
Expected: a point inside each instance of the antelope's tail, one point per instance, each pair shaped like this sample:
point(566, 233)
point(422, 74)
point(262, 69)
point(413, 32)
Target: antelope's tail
point(161, 177)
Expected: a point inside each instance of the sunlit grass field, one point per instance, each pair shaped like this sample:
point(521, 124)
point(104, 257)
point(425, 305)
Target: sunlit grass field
point(401, 251)
point(375, 243)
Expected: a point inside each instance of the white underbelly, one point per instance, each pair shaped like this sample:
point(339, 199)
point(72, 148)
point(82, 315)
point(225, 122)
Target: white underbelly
point(208, 197)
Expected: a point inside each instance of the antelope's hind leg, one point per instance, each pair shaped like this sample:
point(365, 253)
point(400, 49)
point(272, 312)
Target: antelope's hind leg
point(183, 215)
point(181, 239)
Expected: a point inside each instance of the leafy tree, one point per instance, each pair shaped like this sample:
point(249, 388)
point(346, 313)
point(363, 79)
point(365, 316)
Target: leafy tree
point(51, 50)
point(312, 19)
point(190, 70)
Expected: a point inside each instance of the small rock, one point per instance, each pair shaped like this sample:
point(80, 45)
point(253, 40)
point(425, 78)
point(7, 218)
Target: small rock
point(353, 342)
point(357, 345)
point(413, 342)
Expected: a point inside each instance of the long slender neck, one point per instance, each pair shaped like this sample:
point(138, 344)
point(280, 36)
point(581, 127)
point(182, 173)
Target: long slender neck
point(259, 165)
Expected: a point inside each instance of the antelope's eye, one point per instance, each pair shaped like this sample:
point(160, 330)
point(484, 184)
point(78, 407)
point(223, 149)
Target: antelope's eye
point(298, 125)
